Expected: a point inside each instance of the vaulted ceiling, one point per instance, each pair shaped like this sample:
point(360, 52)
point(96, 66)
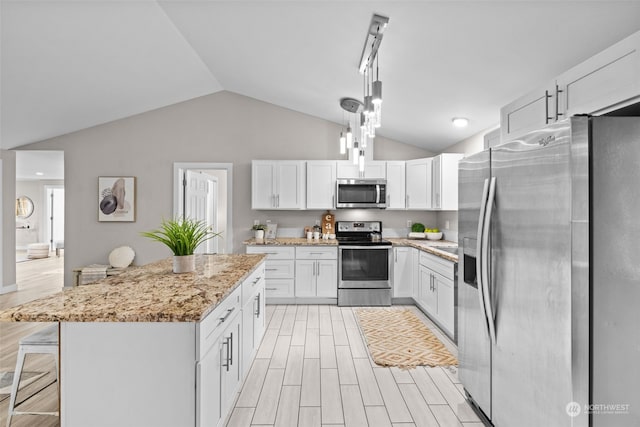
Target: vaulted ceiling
point(69, 65)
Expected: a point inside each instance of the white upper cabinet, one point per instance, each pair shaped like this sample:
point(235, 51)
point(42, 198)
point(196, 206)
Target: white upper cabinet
point(608, 78)
point(278, 184)
point(604, 82)
point(321, 184)
point(418, 184)
point(445, 181)
point(396, 191)
point(529, 112)
point(372, 170)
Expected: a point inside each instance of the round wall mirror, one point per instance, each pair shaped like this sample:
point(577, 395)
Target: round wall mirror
point(24, 207)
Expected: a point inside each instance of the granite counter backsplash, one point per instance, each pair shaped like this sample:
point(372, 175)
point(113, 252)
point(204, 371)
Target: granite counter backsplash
point(149, 293)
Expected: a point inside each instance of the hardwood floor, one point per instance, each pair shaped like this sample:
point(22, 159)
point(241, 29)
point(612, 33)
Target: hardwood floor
point(313, 369)
point(35, 279)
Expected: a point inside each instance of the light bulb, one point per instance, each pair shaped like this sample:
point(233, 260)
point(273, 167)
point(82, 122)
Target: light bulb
point(349, 136)
point(343, 143)
point(356, 152)
point(376, 92)
point(377, 114)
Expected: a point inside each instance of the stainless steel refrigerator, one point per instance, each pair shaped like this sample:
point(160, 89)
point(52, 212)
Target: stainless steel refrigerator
point(549, 280)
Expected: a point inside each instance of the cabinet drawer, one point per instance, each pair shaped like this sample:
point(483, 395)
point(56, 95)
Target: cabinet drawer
point(314, 252)
point(280, 269)
point(278, 288)
point(252, 283)
point(213, 325)
point(437, 264)
point(273, 252)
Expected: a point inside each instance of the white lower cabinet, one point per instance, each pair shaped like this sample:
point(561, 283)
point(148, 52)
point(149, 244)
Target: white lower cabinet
point(403, 271)
point(294, 272)
point(316, 272)
point(435, 292)
point(279, 270)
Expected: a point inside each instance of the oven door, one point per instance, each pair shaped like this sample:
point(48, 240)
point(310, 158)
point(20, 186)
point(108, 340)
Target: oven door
point(364, 267)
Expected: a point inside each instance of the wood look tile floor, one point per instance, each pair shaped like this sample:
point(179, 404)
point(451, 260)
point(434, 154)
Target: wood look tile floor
point(35, 279)
point(313, 369)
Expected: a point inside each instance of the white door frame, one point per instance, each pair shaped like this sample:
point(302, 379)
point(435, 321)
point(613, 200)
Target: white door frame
point(45, 221)
point(179, 167)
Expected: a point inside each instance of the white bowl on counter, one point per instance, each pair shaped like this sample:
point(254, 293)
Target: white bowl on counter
point(433, 236)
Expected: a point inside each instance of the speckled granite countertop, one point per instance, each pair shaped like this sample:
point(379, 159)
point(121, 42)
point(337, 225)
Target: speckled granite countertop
point(149, 293)
point(430, 246)
point(292, 241)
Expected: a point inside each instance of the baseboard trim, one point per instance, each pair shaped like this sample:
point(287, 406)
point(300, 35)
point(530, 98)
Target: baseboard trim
point(7, 289)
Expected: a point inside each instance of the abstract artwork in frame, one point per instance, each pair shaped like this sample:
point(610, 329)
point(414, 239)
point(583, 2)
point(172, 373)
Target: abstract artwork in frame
point(116, 198)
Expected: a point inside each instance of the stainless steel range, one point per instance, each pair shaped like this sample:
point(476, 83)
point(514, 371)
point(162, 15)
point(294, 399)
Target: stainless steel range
point(364, 264)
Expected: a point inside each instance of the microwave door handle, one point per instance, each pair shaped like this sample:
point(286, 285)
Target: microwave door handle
point(479, 264)
point(377, 193)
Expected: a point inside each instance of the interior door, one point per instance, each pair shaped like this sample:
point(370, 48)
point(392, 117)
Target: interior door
point(198, 200)
point(531, 279)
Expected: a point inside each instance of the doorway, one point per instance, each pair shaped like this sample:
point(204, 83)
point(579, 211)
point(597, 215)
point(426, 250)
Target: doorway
point(54, 221)
point(202, 191)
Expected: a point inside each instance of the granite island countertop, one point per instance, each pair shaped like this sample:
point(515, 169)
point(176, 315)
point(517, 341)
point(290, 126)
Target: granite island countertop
point(291, 241)
point(148, 293)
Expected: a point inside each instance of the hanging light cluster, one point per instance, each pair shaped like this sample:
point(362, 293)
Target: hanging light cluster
point(368, 112)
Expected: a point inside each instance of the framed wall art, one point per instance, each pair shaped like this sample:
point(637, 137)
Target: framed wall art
point(116, 198)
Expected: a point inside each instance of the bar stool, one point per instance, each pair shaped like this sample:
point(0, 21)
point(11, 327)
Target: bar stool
point(43, 342)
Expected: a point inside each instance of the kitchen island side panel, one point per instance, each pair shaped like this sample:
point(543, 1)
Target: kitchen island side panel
point(127, 374)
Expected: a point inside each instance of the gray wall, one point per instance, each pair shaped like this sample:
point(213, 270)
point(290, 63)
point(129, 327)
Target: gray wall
point(8, 216)
point(37, 222)
point(222, 127)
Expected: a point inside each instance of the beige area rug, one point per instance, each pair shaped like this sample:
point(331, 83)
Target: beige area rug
point(399, 338)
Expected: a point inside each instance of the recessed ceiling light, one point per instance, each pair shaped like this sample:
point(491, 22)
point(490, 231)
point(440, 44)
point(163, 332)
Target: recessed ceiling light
point(460, 122)
point(40, 173)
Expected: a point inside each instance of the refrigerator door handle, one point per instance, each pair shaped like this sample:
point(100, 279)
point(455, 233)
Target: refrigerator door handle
point(485, 260)
point(483, 208)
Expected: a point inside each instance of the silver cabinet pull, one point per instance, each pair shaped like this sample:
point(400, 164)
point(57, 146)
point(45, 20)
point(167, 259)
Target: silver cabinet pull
point(226, 316)
point(231, 349)
point(257, 313)
point(271, 289)
point(277, 201)
point(227, 360)
point(558, 92)
point(546, 107)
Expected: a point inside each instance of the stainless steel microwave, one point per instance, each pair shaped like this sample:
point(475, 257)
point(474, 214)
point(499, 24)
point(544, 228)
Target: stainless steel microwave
point(361, 193)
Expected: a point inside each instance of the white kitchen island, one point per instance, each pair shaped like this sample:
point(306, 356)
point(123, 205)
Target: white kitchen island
point(153, 348)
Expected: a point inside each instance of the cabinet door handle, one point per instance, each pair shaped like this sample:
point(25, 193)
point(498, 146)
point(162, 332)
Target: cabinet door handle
point(226, 364)
point(257, 313)
point(271, 289)
point(257, 279)
point(231, 349)
point(333, 201)
point(558, 92)
point(277, 201)
point(407, 200)
point(314, 269)
point(546, 107)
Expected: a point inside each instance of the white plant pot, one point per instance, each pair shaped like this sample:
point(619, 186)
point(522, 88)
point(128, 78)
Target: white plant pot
point(259, 234)
point(184, 264)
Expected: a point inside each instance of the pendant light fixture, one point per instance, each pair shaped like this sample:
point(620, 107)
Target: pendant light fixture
point(370, 110)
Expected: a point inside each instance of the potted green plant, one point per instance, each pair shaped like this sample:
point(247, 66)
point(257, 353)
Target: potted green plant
point(258, 231)
point(182, 236)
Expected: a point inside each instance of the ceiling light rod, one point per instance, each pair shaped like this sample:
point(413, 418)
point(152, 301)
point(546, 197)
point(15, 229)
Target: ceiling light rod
point(372, 42)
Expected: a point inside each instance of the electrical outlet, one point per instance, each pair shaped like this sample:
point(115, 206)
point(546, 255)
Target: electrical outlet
point(446, 225)
point(256, 221)
point(409, 223)
point(317, 222)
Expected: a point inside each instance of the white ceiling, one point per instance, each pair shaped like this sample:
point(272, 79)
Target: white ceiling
point(68, 65)
point(48, 163)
